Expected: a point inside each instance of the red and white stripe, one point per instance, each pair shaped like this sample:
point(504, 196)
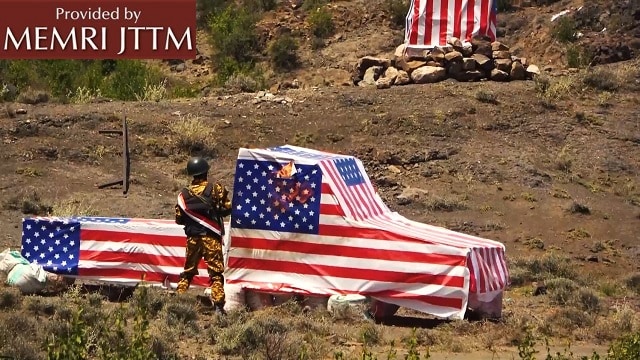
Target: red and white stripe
point(125, 253)
point(432, 23)
point(208, 223)
point(359, 201)
point(364, 248)
point(348, 256)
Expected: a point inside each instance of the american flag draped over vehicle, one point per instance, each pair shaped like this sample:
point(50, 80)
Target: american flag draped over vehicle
point(106, 249)
point(432, 23)
point(311, 222)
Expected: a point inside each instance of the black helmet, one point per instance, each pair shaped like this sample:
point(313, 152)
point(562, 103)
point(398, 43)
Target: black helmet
point(197, 166)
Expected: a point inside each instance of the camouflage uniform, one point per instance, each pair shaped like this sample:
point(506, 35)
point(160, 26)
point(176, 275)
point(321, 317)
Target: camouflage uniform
point(205, 244)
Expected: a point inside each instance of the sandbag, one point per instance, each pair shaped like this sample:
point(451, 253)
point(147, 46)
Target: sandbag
point(9, 259)
point(30, 279)
point(235, 297)
point(353, 300)
point(257, 300)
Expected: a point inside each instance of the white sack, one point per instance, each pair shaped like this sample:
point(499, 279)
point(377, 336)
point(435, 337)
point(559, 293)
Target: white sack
point(234, 297)
point(29, 279)
point(9, 259)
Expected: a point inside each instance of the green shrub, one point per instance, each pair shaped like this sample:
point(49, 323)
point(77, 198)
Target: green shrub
point(117, 79)
point(234, 40)
point(625, 348)
point(321, 23)
point(397, 10)
point(283, 52)
point(577, 57)
point(564, 29)
point(205, 9)
point(312, 5)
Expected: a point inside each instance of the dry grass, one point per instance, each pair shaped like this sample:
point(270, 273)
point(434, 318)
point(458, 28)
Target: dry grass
point(290, 332)
point(446, 204)
point(193, 135)
point(77, 206)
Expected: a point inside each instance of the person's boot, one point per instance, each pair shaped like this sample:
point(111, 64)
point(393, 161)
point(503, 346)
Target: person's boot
point(183, 286)
point(219, 308)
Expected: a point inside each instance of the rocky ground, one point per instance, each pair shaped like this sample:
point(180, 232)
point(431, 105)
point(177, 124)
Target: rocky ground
point(549, 165)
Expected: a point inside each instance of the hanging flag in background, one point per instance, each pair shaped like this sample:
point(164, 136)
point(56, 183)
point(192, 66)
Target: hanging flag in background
point(431, 23)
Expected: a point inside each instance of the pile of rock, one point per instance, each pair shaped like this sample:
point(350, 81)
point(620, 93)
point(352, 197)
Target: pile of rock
point(478, 60)
point(265, 96)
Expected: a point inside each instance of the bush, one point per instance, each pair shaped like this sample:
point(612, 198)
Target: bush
point(205, 9)
point(321, 23)
point(283, 52)
point(564, 29)
point(234, 40)
point(397, 10)
point(312, 5)
point(601, 79)
point(117, 79)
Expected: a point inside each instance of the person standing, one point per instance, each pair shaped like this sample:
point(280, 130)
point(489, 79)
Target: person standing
point(201, 208)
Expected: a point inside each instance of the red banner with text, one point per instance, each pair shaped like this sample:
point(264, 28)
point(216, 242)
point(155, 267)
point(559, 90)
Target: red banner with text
point(98, 29)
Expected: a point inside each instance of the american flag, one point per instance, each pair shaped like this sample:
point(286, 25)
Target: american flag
point(106, 249)
point(321, 229)
point(431, 23)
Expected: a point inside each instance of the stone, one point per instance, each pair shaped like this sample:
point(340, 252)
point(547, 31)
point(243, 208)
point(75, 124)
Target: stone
point(501, 55)
point(384, 83)
point(482, 45)
point(498, 46)
point(454, 69)
point(455, 43)
point(428, 74)
point(483, 61)
point(434, 63)
point(437, 54)
point(453, 56)
point(410, 66)
point(180, 67)
point(391, 73)
point(199, 60)
point(411, 194)
point(499, 75)
point(369, 61)
point(503, 64)
point(394, 169)
point(533, 69)
point(468, 64)
point(399, 54)
point(402, 78)
point(467, 50)
point(370, 76)
point(517, 71)
point(468, 76)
